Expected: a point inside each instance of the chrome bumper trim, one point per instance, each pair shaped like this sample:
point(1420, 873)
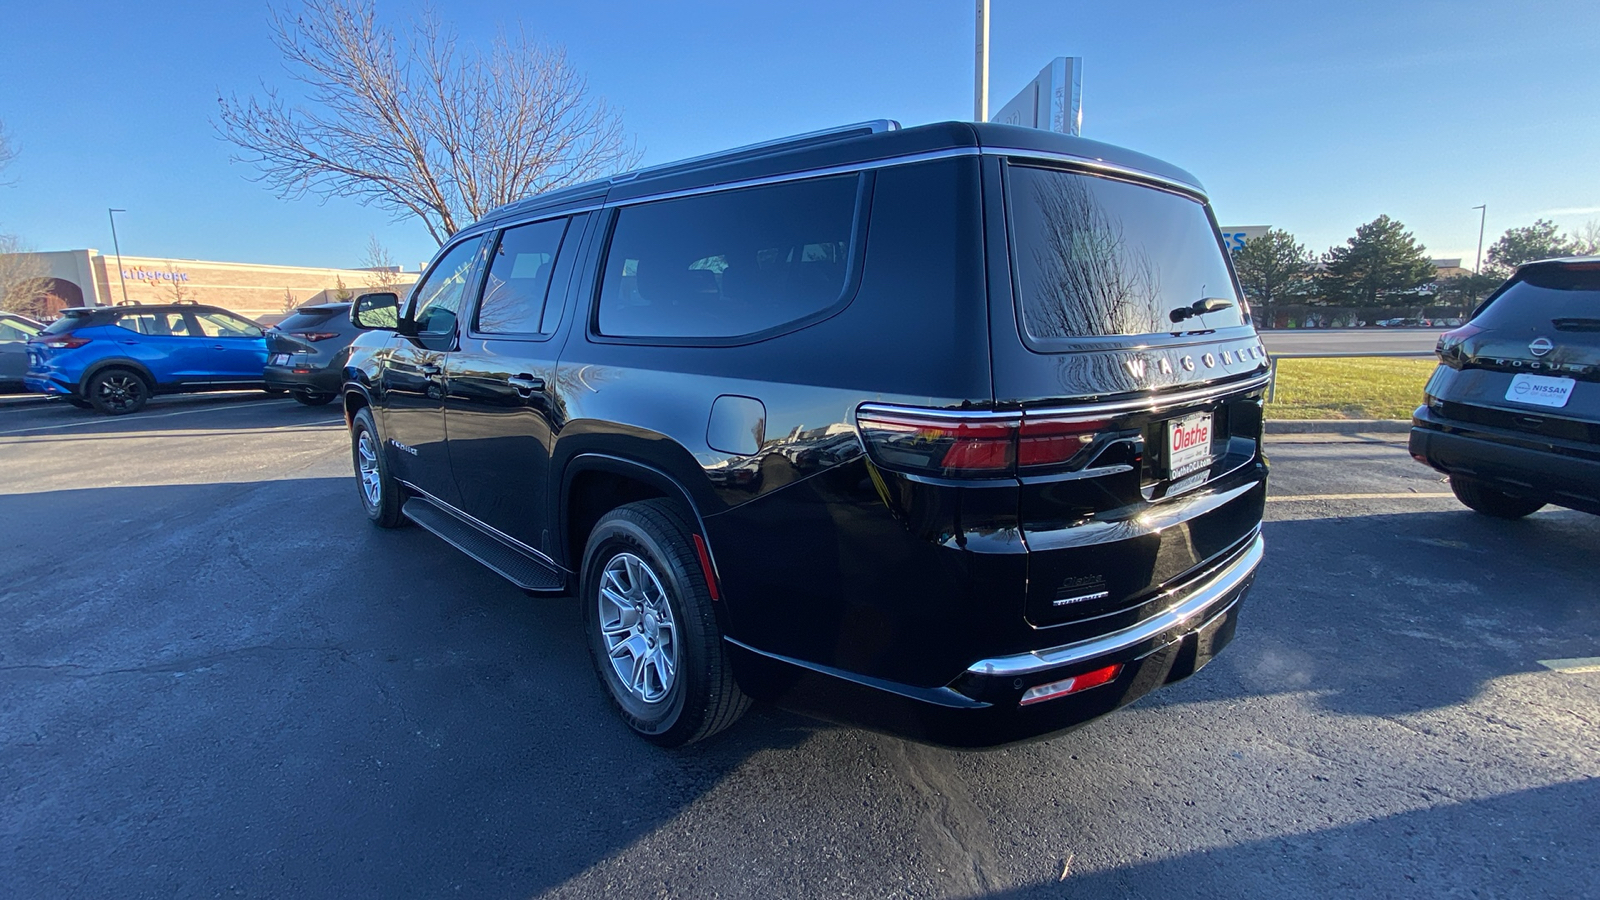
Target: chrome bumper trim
point(1219, 586)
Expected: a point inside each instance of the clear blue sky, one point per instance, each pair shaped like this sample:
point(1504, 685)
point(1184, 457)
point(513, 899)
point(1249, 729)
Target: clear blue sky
point(1313, 117)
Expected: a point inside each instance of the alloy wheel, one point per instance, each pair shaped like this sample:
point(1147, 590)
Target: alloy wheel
point(641, 637)
point(120, 391)
point(367, 464)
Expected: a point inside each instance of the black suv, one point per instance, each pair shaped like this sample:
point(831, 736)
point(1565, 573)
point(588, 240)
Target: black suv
point(951, 431)
point(1512, 414)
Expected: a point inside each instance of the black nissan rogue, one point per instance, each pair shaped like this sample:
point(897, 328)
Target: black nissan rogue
point(950, 431)
point(1512, 414)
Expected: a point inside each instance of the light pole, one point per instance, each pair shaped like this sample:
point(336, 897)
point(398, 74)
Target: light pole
point(111, 214)
point(1478, 266)
point(980, 88)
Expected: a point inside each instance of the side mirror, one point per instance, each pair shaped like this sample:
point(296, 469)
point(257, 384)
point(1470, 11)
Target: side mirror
point(379, 310)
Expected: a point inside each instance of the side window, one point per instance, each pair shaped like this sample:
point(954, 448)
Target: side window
point(518, 284)
point(162, 324)
point(437, 300)
point(10, 332)
point(731, 263)
point(222, 325)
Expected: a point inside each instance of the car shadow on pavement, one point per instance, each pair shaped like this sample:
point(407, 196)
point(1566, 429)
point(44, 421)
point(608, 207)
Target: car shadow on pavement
point(1532, 843)
point(248, 686)
point(1402, 613)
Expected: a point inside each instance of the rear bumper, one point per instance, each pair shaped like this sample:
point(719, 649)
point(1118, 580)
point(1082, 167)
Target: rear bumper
point(39, 385)
point(327, 380)
point(1559, 472)
point(982, 707)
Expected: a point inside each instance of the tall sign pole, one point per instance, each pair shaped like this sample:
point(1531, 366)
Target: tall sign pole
point(112, 215)
point(1477, 267)
point(980, 99)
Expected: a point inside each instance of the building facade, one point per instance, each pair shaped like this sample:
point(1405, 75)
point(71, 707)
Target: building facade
point(90, 278)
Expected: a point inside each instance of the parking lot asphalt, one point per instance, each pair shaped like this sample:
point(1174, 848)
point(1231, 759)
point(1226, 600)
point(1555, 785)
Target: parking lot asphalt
point(216, 679)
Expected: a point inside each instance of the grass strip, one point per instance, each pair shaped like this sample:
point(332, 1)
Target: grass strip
point(1361, 388)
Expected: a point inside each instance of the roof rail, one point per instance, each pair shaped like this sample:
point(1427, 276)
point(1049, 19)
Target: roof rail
point(855, 129)
point(826, 135)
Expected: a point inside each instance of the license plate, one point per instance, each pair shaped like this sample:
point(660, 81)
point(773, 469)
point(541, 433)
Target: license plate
point(1540, 390)
point(280, 359)
point(1188, 445)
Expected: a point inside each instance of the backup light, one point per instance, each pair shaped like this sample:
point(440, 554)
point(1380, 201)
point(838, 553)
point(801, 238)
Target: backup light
point(1071, 685)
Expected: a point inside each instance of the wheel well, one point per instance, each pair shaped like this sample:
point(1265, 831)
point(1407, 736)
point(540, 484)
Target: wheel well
point(591, 495)
point(130, 365)
point(354, 402)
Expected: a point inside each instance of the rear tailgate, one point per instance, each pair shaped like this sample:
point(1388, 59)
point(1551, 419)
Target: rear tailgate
point(1114, 313)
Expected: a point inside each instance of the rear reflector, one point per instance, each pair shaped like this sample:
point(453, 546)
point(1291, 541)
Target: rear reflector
point(1071, 685)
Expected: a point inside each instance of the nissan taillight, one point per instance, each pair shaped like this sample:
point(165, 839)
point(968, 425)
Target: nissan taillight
point(1449, 346)
point(315, 336)
point(64, 341)
point(971, 445)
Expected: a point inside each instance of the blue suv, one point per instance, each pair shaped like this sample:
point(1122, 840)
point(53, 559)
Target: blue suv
point(113, 358)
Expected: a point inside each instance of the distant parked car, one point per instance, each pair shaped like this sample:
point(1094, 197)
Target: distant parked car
point(307, 352)
point(15, 331)
point(114, 358)
point(1512, 414)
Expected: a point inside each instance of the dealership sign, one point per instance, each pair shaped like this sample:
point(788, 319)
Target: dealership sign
point(1234, 236)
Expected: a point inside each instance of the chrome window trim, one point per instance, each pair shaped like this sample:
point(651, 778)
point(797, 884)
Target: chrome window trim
point(1216, 589)
point(1149, 403)
point(802, 175)
point(1101, 167)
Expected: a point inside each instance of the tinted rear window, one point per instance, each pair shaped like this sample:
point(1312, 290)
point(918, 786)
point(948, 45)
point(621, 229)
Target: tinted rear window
point(1564, 298)
point(67, 322)
point(729, 264)
point(303, 320)
point(1098, 257)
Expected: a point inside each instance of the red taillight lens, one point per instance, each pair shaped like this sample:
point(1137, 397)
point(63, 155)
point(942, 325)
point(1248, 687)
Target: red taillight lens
point(315, 335)
point(1071, 685)
point(65, 342)
point(1045, 442)
point(983, 444)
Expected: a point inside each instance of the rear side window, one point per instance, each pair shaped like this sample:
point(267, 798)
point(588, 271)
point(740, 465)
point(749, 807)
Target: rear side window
point(518, 282)
point(1099, 257)
point(1567, 299)
point(729, 264)
point(163, 324)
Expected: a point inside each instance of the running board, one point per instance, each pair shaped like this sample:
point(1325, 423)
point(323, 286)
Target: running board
point(511, 563)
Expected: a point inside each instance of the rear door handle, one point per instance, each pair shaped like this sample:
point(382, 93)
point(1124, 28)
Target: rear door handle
point(526, 384)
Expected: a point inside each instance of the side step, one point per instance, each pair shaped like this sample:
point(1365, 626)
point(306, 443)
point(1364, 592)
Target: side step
point(512, 563)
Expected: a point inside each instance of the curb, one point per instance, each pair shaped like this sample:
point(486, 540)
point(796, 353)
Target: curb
point(1338, 426)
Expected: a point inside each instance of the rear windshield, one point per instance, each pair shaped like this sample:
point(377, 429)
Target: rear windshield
point(1100, 257)
point(67, 322)
point(1566, 299)
point(309, 318)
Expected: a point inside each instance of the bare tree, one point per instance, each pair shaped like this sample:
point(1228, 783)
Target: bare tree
point(433, 130)
point(1585, 241)
point(24, 279)
point(378, 261)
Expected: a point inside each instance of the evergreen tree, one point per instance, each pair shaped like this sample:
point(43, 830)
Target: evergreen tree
point(1519, 245)
point(1273, 269)
point(1383, 264)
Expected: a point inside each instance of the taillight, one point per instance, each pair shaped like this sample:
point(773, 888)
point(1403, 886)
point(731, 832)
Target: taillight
point(1450, 342)
point(974, 445)
point(315, 335)
point(65, 342)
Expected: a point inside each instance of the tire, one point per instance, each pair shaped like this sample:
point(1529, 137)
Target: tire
point(117, 392)
point(381, 495)
point(310, 398)
point(643, 554)
point(1479, 497)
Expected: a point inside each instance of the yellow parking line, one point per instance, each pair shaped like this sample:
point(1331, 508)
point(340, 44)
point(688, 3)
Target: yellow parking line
point(1408, 495)
point(1572, 666)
